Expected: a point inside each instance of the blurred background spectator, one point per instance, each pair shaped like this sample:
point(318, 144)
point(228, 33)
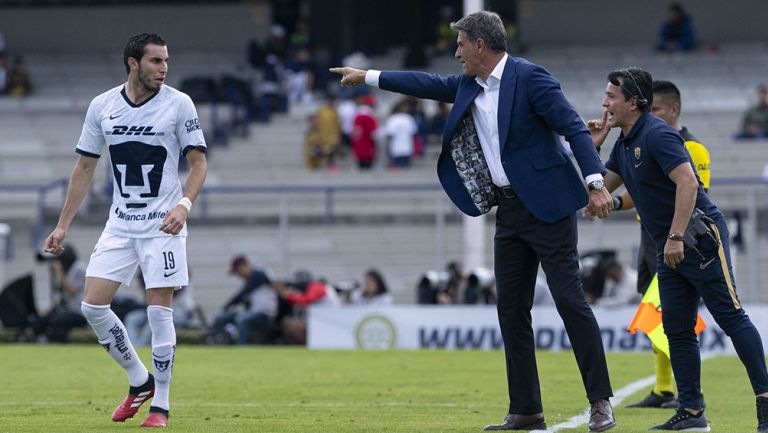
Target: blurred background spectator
point(676, 33)
point(18, 81)
point(755, 121)
point(67, 287)
point(302, 292)
point(373, 292)
point(363, 128)
point(400, 130)
point(620, 286)
point(249, 315)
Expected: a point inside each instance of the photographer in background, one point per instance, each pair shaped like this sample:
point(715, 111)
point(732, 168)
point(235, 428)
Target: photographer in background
point(67, 287)
point(302, 292)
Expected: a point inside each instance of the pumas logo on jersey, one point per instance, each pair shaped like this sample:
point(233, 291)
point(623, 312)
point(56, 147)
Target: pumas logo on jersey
point(132, 130)
point(138, 170)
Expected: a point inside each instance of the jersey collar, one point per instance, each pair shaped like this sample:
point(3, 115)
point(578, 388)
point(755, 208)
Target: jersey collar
point(142, 103)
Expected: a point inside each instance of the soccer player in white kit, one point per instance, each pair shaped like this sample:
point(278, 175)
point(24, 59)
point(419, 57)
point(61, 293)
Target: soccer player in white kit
point(146, 126)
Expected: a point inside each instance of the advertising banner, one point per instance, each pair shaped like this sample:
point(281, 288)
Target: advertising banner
point(477, 327)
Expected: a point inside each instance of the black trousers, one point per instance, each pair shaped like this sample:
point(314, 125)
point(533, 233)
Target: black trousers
point(522, 241)
point(646, 261)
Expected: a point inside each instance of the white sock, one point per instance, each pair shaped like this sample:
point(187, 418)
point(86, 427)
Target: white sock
point(113, 337)
point(163, 351)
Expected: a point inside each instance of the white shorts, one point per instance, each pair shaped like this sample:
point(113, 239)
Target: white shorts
point(163, 260)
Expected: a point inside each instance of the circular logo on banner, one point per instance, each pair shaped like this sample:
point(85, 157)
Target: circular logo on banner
point(376, 332)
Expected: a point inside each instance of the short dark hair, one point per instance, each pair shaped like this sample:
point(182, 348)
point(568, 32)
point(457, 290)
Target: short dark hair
point(484, 25)
point(136, 44)
point(667, 89)
point(634, 82)
point(381, 286)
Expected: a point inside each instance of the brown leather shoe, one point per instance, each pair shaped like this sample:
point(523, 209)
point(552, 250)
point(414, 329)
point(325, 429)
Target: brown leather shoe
point(601, 416)
point(520, 422)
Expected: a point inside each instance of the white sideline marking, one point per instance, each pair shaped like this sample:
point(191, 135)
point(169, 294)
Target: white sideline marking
point(616, 400)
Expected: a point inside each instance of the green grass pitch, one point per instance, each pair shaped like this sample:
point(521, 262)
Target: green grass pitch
point(74, 388)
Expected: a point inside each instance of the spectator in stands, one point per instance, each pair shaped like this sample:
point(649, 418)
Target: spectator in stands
point(416, 110)
point(445, 37)
point(437, 123)
point(253, 308)
point(400, 130)
point(299, 78)
point(363, 127)
point(373, 292)
point(3, 74)
point(184, 307)
point(68, 286)
point(329, 127)
point(18, 82)
point(755, 122)
point(676, 33)
point(620, 286)
point(300, 37)
point(302, 292)
point(313, 153)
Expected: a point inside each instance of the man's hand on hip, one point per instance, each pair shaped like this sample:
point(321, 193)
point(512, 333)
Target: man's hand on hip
point(350, 76)
point(600, 203)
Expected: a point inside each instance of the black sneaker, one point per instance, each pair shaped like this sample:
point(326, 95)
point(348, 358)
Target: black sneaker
point(762, 414)
point(684, 421)
point(655, 400)
point(674, 404)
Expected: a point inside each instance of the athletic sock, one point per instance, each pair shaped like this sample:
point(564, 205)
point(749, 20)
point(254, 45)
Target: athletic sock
point(163, 351)
point(663, 370)
point(112, 336)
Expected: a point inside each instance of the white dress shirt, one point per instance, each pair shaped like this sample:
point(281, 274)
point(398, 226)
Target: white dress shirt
point(485, 113)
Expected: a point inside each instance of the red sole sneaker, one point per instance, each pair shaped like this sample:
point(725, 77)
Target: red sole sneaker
point(132, 403)
point(157, 418)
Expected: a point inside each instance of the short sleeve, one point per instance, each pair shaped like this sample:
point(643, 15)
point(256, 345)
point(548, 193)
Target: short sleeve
point(91, 138)
point(188, 127)
point(667, 148)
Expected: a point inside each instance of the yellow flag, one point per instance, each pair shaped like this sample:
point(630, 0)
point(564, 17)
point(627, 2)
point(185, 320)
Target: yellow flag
point(648, 318)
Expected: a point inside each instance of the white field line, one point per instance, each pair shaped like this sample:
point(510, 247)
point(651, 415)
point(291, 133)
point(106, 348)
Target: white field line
point(616, 400)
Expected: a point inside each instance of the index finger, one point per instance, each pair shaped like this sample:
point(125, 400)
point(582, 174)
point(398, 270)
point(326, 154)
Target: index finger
point(339, 71)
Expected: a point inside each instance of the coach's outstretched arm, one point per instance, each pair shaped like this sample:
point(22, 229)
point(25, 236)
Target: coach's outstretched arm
point(350, 76)
point(79, 182)
point(413, 83)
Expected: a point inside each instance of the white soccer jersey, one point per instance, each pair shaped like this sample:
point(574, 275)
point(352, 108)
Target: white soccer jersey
point(145, 141)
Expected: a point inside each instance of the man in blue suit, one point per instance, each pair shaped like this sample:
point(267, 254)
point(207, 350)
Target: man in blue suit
point(501, 147)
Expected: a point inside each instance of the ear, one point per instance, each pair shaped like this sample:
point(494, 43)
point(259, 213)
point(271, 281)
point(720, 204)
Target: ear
point(479, 44)
point(676, 108)
point(133, 63)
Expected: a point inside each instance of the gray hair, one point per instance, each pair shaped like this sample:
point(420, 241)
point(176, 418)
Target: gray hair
point(484, 25)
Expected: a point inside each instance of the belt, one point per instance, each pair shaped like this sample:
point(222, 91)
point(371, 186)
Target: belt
point(505, 192)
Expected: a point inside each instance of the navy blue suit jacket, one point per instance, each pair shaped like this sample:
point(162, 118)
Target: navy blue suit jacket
point(532, 112)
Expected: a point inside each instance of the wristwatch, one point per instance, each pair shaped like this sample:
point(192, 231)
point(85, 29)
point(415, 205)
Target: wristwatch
point(596, 185)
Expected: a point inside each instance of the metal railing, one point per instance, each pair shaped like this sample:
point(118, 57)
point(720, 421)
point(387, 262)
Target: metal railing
point(750, 188)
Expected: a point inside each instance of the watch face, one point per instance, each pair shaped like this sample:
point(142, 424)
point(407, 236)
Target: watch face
point(598, 184)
